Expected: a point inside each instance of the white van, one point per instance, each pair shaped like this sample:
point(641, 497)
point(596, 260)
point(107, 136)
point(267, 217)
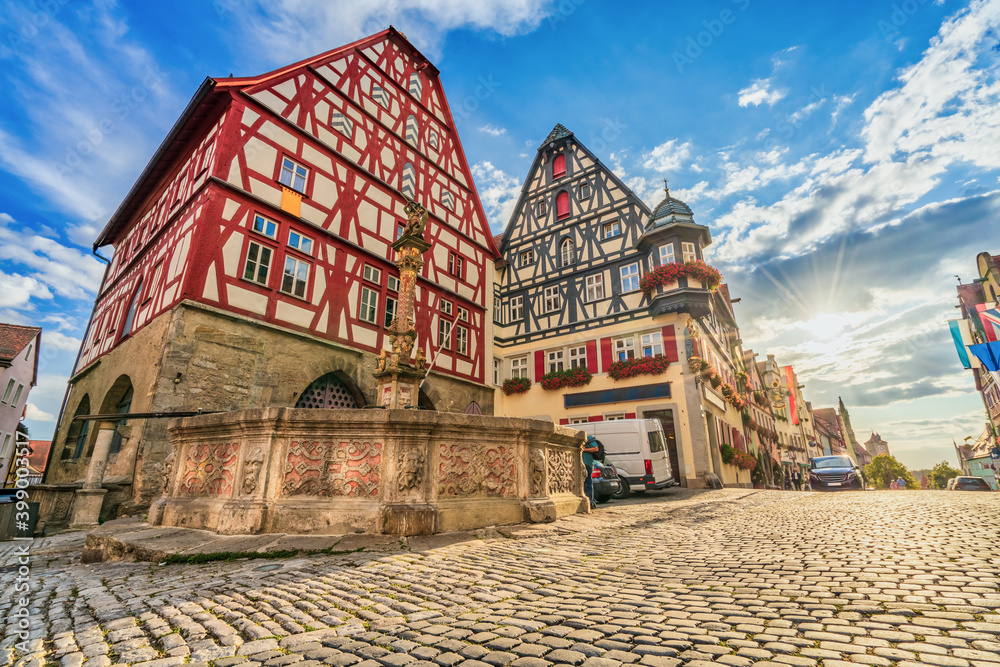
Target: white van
point(637, 448)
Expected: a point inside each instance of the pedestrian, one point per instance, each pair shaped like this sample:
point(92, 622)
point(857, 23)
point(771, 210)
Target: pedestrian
point(894, 485)
point(797, 480)
point(589, 449)
point(901, 483)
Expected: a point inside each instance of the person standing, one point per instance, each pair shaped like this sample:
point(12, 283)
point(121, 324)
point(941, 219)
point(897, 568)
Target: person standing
point(901, 483)
point(589, 449)
point(796, 479)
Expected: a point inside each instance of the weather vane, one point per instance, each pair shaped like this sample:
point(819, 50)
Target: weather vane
point(665, 188)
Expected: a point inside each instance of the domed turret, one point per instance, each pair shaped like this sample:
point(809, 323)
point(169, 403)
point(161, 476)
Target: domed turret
point(669, 210)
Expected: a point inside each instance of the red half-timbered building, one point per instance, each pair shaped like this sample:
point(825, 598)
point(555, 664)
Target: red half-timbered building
point(252, 263)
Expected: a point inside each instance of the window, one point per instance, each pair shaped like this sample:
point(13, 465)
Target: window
point(519, 367)
point(393, 284)
point(612, 229)
point(516, 308)
point(342, 124)
point(372, 274)
point(463, 314)
point(448, 200)
point(446, 306)
point(380, 96)
point(567, 252)
point(293, 281)
point(578, 357)
point(496, 372)
point(27, 355)
point(559, 166)
point(301, 243)
point(400, 227)
point(555, 361)
point(595, 287)
point(630, 277)
point(618, 416)
point(688, 250)
point(562, 205)
point(390, 311)
point(293, 175)
point(17, 395)
point(541, 208)
point(552, 300)
point(578, 420)
point(130, 317)
point(409, 184)
point(497, 310)
point(444, 335)
point(625, 349)
point(527, 258)
point(262, 225)
point(369, 305)
point(462, 340)
point(432, 139)
point(667, 254)
point(6, 444)
point(455, 265)
point(652, 344)
point(585, 191)
point(412, 129)
point(258, 263)
point(415, 86)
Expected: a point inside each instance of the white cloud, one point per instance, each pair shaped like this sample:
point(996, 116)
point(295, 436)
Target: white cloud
point(495, 131)
point(288, 30)
point(668, 156)
point(60, 341)
point(760, 92)
point(35, 413)
point(16, 291)
point(64, 270)
point(498, 191)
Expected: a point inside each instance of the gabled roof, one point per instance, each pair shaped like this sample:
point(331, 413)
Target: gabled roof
point(38, 454)
point(558, 132)
point(13, 339)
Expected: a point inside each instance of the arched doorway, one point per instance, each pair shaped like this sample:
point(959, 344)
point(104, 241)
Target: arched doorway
point(332, 391)
point(118, 400)
point(424, 402)
point(473, 409)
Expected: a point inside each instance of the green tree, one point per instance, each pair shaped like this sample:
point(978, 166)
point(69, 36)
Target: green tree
point(884, 469)
point(941, 473)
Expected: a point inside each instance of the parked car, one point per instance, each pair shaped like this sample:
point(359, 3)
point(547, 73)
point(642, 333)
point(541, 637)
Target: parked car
point(971, 484)
point(607, 485)
point(951, 484)
point(835, 473)
point(638, 449)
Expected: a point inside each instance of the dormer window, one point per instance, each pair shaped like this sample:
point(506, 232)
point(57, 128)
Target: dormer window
point(559, 166)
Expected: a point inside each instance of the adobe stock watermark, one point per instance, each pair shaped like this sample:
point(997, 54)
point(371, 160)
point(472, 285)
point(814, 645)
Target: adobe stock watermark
point(610, 131)
point(20, 616)
point(898, 17)
point(39, 18)
point(564, 10)
point(696, 45)
point(790, 124)
point(121, 108)
point(470, 103)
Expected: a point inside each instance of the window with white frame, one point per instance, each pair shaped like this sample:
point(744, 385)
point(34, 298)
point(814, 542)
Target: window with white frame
point(614, 417)
point(301, 243)
point(527, 258)
point(496, 372)
point(585, 191)
point(519, 367)
point(652, 344)
point(390, 311)
point(611, 229)
point(444, 335)
point(497, 310)
point(667, 254)
point(578, 357)
point(630, 277)
point(625, 348)
point(463, 314)
point(455, 265)
point(579, 420)
point(555, 361)
point(293, 175)
point(372, 274)
point(446, 307)
point(540, 208)
point(567, 253)
point(369, 305)
point(689, 253)
point(552, 300)
point(393, 284)
point(295, 277)
point(262, 225)
point(258, 263)
point(461, 340)
point(595, 287)
point(516, 308)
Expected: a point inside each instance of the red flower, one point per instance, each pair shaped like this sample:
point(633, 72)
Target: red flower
point(574, 377)
point(515, 386)
point(666, 274)
point(630, 368)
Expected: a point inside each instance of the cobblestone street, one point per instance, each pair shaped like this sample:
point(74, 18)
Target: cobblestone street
point(733, 577)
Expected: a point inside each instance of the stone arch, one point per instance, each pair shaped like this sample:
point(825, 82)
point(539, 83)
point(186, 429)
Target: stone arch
point(334, 390)
point(428, 397)
point(78, 431)
point(118, 400)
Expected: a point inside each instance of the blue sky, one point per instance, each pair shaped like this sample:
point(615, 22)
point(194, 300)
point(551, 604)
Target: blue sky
point(845, 155)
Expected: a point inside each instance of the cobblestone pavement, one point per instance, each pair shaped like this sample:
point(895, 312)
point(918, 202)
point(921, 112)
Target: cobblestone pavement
point(731, 577)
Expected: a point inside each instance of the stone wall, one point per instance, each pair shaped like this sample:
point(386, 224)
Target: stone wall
point(402, 472)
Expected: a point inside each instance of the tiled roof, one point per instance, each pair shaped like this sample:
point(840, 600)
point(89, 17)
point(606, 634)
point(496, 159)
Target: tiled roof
point(724, 291)
point(39, 453)
point(497, 239)
point(14, 338)
point(558, 132)
point(670, 206)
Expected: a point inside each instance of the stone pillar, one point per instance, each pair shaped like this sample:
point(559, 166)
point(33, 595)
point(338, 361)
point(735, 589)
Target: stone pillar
point(87, 506)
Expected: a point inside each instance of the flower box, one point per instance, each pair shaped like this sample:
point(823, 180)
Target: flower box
point(630, 368)
point(515, 386)
point(573, 377)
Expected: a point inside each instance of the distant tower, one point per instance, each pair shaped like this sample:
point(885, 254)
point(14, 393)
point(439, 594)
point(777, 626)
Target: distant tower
point(853, 448)
point(877, 446)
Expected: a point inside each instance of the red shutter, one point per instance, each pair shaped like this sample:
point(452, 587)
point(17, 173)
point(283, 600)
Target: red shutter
point(597, 418)
point(559, 166)
point(539, 365)
point(562, 205)
point(670, 343)
point(629, 415)
point(606, 356)
point(592, 357)
point(564, 421)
